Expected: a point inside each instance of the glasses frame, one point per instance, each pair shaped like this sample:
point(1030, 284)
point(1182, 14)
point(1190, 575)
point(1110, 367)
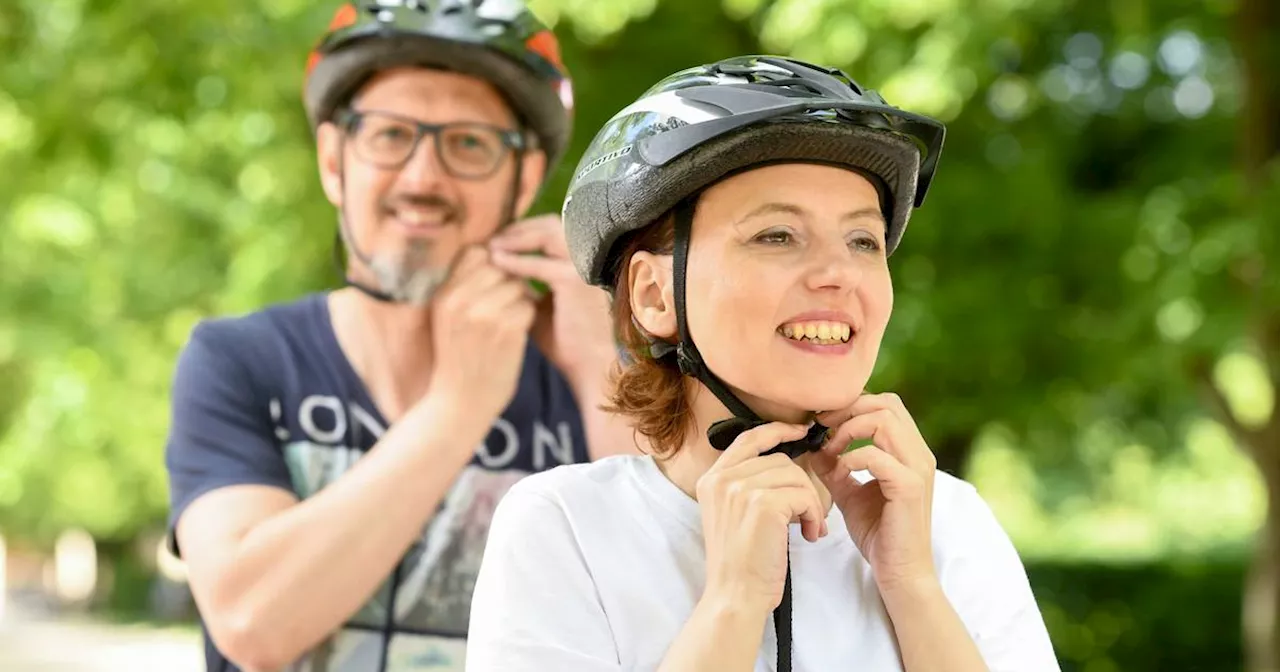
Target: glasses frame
point(512, 140)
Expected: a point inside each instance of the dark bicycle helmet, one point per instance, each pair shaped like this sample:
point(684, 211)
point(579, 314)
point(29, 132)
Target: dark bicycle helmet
point(499, 41)
point(700, 124)
point(704, 123)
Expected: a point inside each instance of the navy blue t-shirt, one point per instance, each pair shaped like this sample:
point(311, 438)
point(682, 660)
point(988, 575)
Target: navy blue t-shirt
point(270, 398)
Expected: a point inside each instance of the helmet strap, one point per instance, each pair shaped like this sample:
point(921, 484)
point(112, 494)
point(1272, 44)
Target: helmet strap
point(343, 237)
point(721, 433)
point(513, 196)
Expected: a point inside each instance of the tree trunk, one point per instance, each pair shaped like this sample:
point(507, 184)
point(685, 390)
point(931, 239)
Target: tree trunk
point(1257, 22)
point(952, 452)
point(1261, 609)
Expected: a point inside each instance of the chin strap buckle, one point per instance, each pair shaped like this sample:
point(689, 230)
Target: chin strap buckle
point(723, 433)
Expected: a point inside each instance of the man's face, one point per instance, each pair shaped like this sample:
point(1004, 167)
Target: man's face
point(409, 208)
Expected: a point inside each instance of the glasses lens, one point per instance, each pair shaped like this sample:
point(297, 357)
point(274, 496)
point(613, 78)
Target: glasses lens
point(471, 150)
point(383, 140)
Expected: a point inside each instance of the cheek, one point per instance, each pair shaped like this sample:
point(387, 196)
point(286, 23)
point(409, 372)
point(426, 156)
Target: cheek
point(732, 318)
point(876, 296)
point(364, 190)
point(484, 206)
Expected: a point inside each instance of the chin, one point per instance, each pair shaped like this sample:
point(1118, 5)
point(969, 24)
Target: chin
point(829, 401)
point(817, 393)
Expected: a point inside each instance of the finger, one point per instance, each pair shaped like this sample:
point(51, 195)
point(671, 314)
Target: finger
point(467, 260)
point(551, 270)
point(884, 429)
point(799, 503)
point(873, 426)
point(756, 440)
point(866, 403)
point(835, 475)
point(537, 234)
point(770, 471)
point(521, 313)
point(477, 281)
point(500, 297)
point(897, 480)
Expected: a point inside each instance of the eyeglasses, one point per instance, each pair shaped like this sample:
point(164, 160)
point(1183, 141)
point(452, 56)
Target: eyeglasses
point(465, 149)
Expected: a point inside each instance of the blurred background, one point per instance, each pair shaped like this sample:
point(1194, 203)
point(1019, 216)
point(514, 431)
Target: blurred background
point(1087, 323)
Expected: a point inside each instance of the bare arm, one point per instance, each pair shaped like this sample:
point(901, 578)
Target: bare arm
point(272, 576)
point(721, 634)
point(930, 634)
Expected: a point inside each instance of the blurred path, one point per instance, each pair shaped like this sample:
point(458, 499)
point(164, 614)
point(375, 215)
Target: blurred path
point(33, 640)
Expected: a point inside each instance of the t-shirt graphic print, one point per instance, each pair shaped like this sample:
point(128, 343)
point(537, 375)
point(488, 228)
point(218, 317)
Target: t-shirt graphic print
point(269, 398)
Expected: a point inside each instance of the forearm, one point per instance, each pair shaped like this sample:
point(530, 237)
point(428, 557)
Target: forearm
point(721, 634)
point(931, 636)
point(295, 577)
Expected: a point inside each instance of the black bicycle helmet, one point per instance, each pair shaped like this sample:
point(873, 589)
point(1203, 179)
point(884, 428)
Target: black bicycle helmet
point(704, 123)
point(499, 41)
point(700, 124)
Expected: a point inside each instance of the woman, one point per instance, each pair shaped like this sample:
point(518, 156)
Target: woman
point(752, 204)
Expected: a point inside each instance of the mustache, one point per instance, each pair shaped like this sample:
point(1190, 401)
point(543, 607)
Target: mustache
point(452, 211)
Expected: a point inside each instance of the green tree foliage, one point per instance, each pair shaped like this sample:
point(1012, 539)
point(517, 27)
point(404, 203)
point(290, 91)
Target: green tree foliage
point(1089, 272)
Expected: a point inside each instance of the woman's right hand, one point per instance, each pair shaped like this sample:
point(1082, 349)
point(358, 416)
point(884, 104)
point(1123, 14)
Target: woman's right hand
point(748, 503)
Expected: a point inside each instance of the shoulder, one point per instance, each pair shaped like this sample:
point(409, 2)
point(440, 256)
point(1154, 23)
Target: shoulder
point(970, 544)
point(570, 486)
point(961, 516)
point(984, 577)
point(248, 336)
point(245, 328)
point(573, 499)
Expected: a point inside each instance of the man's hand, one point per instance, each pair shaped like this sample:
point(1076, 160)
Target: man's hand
point(572, 326)
point(480, 323)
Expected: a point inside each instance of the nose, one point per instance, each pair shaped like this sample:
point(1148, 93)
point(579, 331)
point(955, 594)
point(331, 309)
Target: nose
point(422, 170)
point(832, 266)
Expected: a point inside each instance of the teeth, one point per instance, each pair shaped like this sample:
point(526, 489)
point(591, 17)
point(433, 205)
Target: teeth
point(827, 333)
point(419, 217)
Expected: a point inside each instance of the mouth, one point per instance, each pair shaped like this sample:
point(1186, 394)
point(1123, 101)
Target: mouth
point(421, 220)
point(824, 332)
point(818, 332)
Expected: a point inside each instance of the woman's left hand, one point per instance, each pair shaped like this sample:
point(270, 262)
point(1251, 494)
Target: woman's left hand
point(889, 517)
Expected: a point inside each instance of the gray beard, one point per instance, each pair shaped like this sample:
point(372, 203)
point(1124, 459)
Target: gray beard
point(409, 278)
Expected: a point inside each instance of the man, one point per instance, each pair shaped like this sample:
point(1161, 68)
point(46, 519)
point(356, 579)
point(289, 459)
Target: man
point(334, 461)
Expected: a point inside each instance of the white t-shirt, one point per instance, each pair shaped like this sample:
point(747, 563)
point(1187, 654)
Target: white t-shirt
point(594, 567)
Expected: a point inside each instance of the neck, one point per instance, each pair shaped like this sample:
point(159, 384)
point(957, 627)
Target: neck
point(696, 455)
point(389, 345)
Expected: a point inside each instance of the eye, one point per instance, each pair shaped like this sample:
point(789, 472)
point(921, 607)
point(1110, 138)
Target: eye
point(774, 237)
point(865, 243)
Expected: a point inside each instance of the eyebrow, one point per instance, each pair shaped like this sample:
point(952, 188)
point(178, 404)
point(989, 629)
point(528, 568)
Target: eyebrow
point(774, 208)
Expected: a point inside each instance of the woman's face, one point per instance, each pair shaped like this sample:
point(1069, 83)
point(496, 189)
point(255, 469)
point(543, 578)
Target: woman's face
point(788, 290)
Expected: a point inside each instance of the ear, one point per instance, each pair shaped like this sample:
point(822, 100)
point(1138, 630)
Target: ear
point(533, 168)
point(652, 294)
point(329, 156)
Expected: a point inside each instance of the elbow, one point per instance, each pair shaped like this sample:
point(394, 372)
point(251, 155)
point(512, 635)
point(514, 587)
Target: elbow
point(251, 643)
